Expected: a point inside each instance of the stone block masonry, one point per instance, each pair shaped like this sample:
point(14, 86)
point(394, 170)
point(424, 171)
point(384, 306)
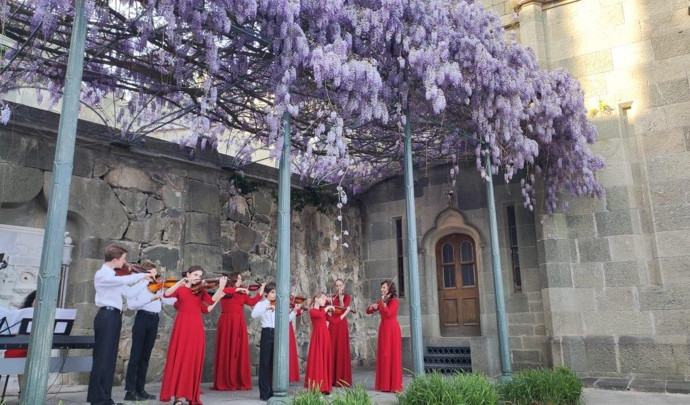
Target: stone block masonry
point(178, 213)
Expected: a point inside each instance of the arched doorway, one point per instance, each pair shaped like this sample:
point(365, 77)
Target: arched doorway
point(458, 289)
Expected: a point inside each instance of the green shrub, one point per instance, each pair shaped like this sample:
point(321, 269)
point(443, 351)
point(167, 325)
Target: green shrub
point(543, 387)
point(356, 395)
point(462, 389)
point(307, 397)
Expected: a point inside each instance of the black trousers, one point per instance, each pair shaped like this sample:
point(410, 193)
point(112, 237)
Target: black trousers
point(144, 334)
point(266, 363)
point(106, 326)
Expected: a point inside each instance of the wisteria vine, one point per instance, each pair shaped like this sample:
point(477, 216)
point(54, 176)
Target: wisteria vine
point(349, 73)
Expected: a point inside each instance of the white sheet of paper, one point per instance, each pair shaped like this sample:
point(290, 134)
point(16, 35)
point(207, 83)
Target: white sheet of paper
point(15, 316)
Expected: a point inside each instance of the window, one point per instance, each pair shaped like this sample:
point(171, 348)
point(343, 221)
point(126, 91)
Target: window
point(448, 263)
point(514, 255)
point(401, 257)
point(467, 264)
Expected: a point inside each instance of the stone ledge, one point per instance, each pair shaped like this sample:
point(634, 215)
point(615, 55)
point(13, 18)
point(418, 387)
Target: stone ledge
point(640, 385)
point(618, 384)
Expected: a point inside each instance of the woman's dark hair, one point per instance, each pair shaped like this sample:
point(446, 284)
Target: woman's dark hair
point(29, 300)
point(392, 291)
point(192, 269)
point(232, 278)
point(270, 286)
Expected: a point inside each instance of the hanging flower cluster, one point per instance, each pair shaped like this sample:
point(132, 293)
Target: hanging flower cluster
point(350, 73)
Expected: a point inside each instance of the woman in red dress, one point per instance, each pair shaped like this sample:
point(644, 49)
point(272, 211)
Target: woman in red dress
point(232, 364)
point(389, 345)
point(317, 377)
point(340, 338)
point(292, 357)
point(185, 361)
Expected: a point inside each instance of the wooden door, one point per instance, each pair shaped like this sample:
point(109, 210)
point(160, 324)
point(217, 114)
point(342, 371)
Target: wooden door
point(458, 292)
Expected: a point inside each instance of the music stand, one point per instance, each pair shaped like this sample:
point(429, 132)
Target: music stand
point(5, 327)
point(64, 320)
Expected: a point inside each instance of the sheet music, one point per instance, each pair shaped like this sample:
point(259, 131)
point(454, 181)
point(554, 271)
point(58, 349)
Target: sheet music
point(14, 319)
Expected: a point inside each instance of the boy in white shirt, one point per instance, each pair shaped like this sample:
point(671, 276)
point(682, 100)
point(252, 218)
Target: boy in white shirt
point(108, 321)
point(144, 332)
point(265, 309)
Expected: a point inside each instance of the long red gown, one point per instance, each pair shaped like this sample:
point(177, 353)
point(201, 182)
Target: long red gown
point(294, 360)
point(232, 365)
point(340, 346)
point(317, 377)
point(388, 348)
point(185, 361)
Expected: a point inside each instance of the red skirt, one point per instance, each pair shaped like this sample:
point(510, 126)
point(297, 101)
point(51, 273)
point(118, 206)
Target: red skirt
point(294, 360)
point(15, 353)
point(232, 364)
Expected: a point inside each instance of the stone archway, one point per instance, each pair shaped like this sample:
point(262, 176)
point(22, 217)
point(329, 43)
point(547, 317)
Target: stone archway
point(448, 222)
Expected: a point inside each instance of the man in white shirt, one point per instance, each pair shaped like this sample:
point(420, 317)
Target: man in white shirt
point(144, 331)
point(265, 309)
point(108, 322)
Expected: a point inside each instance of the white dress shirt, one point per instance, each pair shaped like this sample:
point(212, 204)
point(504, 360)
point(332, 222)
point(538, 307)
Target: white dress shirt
point(139, 297)
point(110, 288)
point(264, 310)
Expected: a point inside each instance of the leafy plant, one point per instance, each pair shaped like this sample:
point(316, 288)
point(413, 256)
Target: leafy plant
point(356, 395)
point(470, 389)
point(321, 198)
point(307, 397)
point(242, 184)
point(543, 387)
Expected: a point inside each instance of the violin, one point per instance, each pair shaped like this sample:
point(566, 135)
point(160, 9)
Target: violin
point(295, 300)
point(250, 287)
point(155, 286)
point(205, 284)
point(128, 269)
point(338, 310)
point(385, 299)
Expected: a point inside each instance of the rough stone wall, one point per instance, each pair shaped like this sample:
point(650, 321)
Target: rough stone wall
point(615, 297)
point(166, 208)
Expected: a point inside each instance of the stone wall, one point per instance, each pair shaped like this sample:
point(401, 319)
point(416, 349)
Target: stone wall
point(617, 268)
point(468, 213)
point(604, 284)
point(163, 207)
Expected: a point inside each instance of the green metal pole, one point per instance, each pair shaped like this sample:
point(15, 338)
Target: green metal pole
point(412, 258)
point(41, 341)
point(280, 345)
point(502, 324)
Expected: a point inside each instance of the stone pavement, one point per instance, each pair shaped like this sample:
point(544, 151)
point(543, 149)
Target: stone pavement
point(71, 395)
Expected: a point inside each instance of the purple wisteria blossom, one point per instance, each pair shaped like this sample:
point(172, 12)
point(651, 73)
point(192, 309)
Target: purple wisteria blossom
point(349, 72)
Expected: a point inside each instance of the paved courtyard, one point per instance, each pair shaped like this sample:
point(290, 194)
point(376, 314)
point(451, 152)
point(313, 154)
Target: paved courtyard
point(77, 395)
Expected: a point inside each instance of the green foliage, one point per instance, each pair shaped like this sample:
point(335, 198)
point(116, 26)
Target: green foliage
point(543, 387)
point(462, 389)
point(307, 397)
point(601, 109)
point(356, 395)
point(243, 185)
point(321, 198)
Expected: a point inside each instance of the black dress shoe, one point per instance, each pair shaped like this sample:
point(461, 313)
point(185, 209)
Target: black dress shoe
point(143, 395)
point(132, 396)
